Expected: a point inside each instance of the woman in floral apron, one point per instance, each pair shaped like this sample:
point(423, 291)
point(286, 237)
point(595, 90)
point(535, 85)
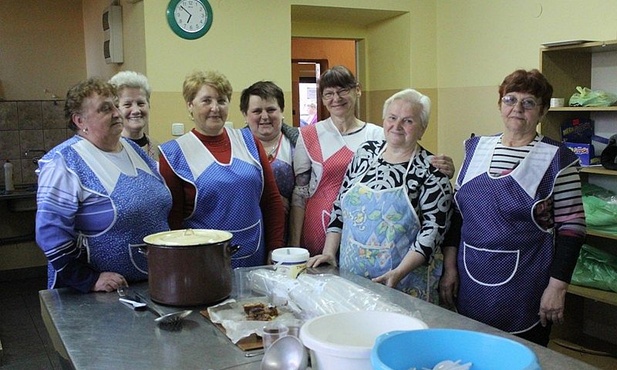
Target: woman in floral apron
point(394, 206)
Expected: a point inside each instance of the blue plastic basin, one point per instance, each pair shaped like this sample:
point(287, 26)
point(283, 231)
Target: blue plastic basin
point(404, 350)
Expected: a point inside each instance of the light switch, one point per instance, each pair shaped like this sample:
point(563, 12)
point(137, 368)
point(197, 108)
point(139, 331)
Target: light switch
point(177, 129)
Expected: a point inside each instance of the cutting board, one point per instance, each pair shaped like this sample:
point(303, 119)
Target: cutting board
point(246, 344)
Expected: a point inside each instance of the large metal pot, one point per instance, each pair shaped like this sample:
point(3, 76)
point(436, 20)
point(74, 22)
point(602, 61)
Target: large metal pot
point(189, 267)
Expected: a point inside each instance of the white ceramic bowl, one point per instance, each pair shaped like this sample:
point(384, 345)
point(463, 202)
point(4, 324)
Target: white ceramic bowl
point(345, 340)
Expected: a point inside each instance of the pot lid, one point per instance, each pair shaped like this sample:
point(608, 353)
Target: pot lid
point(188, 237)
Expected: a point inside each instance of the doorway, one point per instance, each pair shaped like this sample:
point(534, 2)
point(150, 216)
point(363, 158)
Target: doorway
point(310, 58)
point(307, 108)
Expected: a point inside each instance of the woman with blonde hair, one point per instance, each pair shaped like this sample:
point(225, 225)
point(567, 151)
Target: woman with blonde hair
point(220, 178)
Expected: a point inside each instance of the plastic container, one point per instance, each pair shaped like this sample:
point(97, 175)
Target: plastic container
point(345, 340)
point(9, 185)
point(290, 261)
point(419, 349)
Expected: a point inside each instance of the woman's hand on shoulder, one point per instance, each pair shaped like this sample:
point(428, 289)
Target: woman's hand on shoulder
point(320, 259)
point(444, 164)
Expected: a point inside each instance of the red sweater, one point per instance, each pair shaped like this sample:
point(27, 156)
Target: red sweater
point(183, 193)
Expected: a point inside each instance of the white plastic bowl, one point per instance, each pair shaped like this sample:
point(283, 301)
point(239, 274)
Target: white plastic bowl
point(345, 340)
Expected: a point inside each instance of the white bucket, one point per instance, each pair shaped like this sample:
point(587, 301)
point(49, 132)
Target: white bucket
point(290, 261)
point(345, 340)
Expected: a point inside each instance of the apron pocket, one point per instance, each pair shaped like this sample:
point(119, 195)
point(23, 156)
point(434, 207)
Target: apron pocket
point(490, 267)
point(361, 260)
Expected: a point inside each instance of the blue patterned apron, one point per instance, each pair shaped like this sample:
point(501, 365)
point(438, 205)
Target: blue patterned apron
point(504, 256)
point(110, 249)
point(228, 195)
point(379, 226)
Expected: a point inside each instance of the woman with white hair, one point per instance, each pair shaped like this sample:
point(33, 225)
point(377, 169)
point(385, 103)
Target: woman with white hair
point(134, 103)
point(393, 208)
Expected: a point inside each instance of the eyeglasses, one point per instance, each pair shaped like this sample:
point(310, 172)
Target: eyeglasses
point(527, 103)
point(329, 95)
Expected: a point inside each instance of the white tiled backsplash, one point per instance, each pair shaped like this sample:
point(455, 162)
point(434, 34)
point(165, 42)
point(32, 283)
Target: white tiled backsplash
point(29, 125)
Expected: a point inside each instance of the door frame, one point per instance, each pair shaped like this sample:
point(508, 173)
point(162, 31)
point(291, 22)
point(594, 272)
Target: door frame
point(322, 113)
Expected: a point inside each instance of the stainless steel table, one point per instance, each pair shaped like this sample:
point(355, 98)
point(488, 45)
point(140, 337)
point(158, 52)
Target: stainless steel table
point(95, 331)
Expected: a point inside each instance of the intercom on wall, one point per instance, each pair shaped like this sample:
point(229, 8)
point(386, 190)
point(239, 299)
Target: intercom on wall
point(112, 27)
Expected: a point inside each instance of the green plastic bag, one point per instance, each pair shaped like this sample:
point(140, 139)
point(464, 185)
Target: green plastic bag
point(600, 208)
point(585, 97)
point(596, 269)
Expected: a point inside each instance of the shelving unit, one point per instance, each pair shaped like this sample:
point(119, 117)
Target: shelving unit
point(593, 65)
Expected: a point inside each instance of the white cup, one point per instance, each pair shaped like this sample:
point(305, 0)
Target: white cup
point(557, 102)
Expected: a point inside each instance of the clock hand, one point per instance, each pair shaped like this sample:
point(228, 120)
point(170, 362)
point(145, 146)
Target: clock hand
point(187, 12)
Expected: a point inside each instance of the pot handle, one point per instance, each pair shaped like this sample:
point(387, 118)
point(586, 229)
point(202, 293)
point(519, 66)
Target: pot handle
point(141, 248)
point(230, 250)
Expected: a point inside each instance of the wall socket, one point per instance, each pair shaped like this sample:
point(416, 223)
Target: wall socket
point(177, 129)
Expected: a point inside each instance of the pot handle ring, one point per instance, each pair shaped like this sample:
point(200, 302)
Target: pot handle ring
point(230, 250)
point(141, 248)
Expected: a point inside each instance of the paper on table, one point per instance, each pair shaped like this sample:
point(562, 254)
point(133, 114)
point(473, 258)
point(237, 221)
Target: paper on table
point(230, 314)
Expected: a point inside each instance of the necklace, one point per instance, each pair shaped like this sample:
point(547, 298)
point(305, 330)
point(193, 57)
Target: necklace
point(273, 150)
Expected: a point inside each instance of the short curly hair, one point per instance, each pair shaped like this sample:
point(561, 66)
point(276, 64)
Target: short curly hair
point(532, 82)
point(83, 90)
point(131, 79)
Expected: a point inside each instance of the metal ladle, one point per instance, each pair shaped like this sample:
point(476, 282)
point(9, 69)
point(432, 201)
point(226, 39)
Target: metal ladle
point(172, 320)
point(286, 353)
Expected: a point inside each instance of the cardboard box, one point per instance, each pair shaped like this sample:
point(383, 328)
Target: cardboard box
point(585, 153)
point(577, 130)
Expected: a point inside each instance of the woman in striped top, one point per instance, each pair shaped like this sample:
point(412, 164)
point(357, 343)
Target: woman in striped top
point(519, 223)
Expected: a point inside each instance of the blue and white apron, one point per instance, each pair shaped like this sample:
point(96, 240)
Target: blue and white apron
point(228, 195)
point(379, 226)
point(504, 256)
point(110, 249)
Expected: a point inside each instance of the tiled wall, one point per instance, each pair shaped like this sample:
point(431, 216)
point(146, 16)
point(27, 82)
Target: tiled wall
point(29, 125)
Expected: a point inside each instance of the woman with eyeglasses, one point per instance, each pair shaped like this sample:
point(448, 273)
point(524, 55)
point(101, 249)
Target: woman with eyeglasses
point(520, 222)
point(323, 152)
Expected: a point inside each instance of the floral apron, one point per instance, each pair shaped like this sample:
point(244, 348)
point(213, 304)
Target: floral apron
point(378, 228)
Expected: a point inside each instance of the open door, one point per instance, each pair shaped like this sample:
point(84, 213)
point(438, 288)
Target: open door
point(306, 103)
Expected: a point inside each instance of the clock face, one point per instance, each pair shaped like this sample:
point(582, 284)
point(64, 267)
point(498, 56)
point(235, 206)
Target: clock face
point(189, 19)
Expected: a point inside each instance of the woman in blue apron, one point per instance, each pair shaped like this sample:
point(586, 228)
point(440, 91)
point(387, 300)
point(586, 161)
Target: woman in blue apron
point(98, 195)
point(220, 177)
point(394, 206)
point(519, 198)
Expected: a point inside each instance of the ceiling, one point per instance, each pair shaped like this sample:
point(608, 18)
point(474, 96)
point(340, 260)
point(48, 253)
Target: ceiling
point(357, 17)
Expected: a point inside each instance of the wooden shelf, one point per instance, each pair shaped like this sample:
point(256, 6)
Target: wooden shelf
point(598, 170)
point(583, 109)
point(601, 234)
point(595, 294)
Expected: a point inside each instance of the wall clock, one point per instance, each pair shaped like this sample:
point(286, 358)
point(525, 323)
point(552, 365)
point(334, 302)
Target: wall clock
point(189, 19)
